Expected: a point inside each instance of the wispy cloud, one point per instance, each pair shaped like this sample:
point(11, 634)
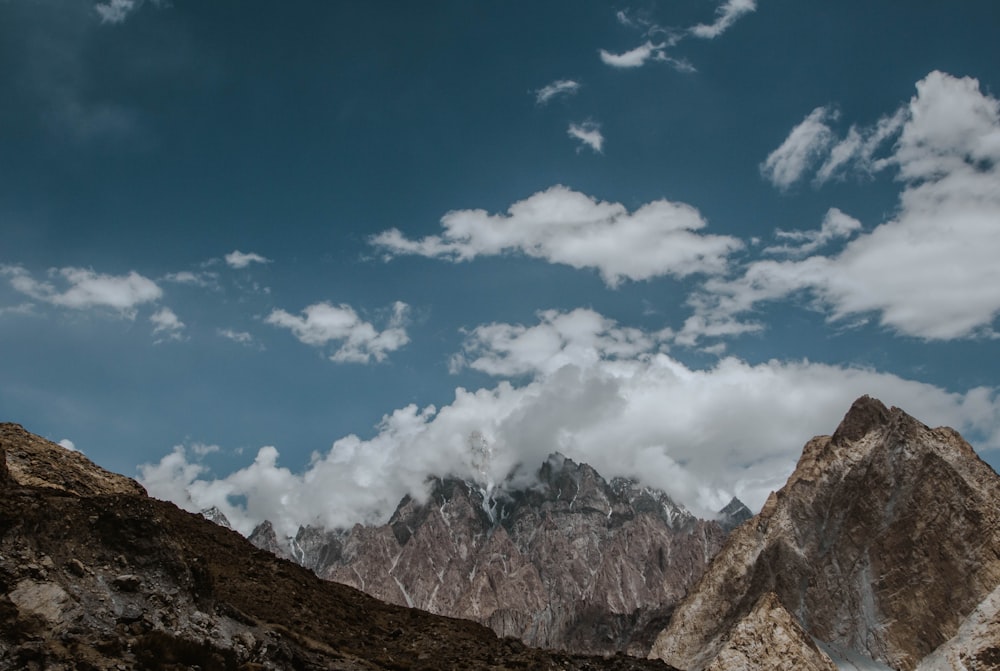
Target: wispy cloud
point(560, 87)
point(242, 337)
point(237, 259)
point(115, 11)
point(836, 225)
point(725, 16)
point(589, 133)
point(357, 341)
point(564, 226)
point(85, 289)
point(633, 58)
point(800, 150)
point(167, 325)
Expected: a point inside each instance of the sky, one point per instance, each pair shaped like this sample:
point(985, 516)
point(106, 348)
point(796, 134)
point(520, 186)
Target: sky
point(292, 259)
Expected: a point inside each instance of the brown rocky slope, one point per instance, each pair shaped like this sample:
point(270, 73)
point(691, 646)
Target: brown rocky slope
point(884, 543)
point(95, 575)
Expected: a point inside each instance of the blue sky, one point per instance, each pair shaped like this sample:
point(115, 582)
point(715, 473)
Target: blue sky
point(289, 259)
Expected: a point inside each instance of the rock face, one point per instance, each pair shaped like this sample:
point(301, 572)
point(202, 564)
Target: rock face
point(95, 575)
point(573, 563)
point(768, 637)
point(884, 541)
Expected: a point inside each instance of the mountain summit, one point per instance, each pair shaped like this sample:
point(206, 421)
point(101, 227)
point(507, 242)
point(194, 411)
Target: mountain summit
point(883, 545)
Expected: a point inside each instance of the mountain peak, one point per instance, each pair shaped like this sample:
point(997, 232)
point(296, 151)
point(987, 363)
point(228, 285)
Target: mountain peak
point(866, 413)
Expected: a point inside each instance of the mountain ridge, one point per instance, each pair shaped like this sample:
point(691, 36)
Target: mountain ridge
point(572, 561)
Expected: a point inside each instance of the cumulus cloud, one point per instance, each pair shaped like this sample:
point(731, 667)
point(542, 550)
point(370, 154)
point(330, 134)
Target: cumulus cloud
point(931, 271)
point(598, 393)
point(167, 325)
point(588, 133)
point(581, 337)
point(86, 289)
point(800, 150)
point(357, 341)
point(560, 87)
point(568, 227)
point(725, 16)
point(237, 259)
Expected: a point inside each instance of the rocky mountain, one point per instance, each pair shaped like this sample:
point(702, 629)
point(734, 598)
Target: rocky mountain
point(883, 545)
point(573, 562)
point(94, 575)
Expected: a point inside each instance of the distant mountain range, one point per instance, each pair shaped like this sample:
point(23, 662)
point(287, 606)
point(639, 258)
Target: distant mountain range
point(571, 562)
point(882, 551)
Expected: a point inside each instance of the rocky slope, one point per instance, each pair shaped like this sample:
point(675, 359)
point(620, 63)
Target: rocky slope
point(574, 562)
point(884, 543)
point(95, 575)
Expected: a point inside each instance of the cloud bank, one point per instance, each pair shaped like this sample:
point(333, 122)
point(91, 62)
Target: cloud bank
point(597, 392)
point(563, 226)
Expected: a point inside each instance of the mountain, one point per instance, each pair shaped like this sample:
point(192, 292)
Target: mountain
point(573, 562)
point(95, 575)
point(883, 545)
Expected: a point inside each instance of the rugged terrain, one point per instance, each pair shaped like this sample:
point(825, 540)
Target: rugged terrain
point(96, 575)
point(884, 544)
point(573, 562)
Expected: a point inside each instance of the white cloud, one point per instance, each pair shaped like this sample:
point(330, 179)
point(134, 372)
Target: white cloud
point(238, 259)
point(588, 133)
point(800, 150)
point(202, 279)
point(565, 226)
point(639, 56)
point(835, 225)
point(67, 444)
point(87, 289)
point(115, 11)
point(932, 270)
point(598, 393)
point(726, 15)
point(167, 325)
point(242, 337)
point(359, 341)
point(857, 150)
point(581, 338)
point(560, 87)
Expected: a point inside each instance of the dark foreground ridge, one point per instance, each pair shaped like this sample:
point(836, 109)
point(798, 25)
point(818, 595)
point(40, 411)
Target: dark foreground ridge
point(96, 575)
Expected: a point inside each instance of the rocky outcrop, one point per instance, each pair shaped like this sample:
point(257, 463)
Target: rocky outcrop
point(884, 540)
point(573, 562)
point(95, 575)
point(768, 637)
point(31, 461)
